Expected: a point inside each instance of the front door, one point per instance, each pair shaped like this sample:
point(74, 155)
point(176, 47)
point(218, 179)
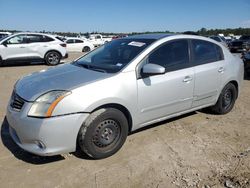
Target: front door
point(14, 48)
point(163, 95)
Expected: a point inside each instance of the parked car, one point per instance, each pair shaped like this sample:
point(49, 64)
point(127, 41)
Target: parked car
point(78, 45)
point(119, 36)
point(4, 34)
point(240, 45)
point(246, 59)
point(122, 86)
point(107, 39)
point(32, 47)
point(61, 38)
point(220, 39)
point(98, 39)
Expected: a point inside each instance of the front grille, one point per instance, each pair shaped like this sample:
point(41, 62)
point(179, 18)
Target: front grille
point(16, 102)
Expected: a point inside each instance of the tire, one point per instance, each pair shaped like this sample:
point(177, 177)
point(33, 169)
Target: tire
point(86, 49)
point(103, 133)
point(1, 62)
point(226, 100)
point(233, 51)
point(53, 58)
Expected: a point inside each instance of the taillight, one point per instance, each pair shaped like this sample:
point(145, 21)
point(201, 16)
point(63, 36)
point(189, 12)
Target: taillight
point(63, 45)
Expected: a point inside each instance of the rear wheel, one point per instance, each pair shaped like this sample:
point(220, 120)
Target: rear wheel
point(103, 133)
point(226, 100)
point(86, 49)
point(52, 58)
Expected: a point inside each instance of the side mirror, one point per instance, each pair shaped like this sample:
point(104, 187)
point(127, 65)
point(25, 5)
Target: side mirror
point(152, 69)
point(5, 43)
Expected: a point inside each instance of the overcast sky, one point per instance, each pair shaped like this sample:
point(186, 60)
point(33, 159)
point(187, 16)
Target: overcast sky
point(123, 15)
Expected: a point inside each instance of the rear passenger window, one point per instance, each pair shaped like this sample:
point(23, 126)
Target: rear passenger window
point(47, 39)
point(34, 38)
point(172, 55)
point(70, 41)
point(206, 52)
point(78, 41)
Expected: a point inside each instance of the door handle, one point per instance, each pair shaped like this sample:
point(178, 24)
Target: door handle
point(22, 47)
point(187, 79)
point(221, 70)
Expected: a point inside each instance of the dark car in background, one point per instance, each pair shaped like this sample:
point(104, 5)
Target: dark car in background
point(219, 39)
point(246, 59)
point(4, 34)
point(240, 45)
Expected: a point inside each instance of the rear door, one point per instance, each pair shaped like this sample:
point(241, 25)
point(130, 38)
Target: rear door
point(38, 45)
point(70, 45)
point(209, 66)
point(78, 45)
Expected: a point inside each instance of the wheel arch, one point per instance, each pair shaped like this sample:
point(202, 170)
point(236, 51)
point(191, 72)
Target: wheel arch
point(235, 83)
point(120, 107)
point(53, 51)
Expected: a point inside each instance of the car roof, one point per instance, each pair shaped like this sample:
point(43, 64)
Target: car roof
point(34, 33)
point(74, 38)
point(155, 36)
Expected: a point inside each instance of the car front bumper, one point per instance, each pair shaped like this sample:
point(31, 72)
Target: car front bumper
point(66, 56)
point(45, 136)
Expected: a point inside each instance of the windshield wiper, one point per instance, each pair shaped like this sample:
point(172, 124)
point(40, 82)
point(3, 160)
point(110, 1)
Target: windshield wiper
point(91, 67)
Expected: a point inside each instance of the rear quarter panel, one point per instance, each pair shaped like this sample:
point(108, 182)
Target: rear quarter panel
point(234, 69)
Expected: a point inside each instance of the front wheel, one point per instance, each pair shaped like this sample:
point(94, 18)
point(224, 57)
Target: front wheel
point(52, 58)
point(226, 100)
point(103, 133)
point(86, 49)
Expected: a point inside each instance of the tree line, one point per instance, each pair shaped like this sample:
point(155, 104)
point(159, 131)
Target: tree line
point(202, 31)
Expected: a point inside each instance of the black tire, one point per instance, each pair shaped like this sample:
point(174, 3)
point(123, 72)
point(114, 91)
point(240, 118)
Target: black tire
point(233, 51)
point(1, 62)
point(53, 58)
point(86, 49)
point(226, 100)
point(103, 133)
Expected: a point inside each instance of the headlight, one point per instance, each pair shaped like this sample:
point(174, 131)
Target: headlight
point(46, 103)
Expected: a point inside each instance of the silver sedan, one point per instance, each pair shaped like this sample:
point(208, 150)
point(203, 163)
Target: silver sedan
point(124, 85)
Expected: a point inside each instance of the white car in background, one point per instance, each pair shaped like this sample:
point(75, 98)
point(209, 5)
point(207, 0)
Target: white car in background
point(78, 45)
point(98, 39)
point(4, 34)
point(32, 47)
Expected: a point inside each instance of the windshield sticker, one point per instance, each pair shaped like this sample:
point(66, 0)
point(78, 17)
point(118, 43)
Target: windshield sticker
point(119, 64)
point(138, 44)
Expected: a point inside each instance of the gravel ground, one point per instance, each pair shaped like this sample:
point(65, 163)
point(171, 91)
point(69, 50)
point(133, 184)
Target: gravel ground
point(195, 150)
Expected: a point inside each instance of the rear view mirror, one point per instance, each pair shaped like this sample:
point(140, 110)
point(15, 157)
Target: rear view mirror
point(152, 69)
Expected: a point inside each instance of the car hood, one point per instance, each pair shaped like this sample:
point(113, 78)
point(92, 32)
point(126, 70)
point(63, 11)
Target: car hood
point(62, 77)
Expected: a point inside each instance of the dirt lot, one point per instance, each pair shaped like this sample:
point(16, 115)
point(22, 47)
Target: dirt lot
point(195, 150)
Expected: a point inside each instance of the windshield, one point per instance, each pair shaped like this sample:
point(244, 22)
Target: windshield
point(113, 56)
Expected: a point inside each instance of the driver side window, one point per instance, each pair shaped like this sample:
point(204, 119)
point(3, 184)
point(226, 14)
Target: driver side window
point(173, 55)
point(18, 39)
